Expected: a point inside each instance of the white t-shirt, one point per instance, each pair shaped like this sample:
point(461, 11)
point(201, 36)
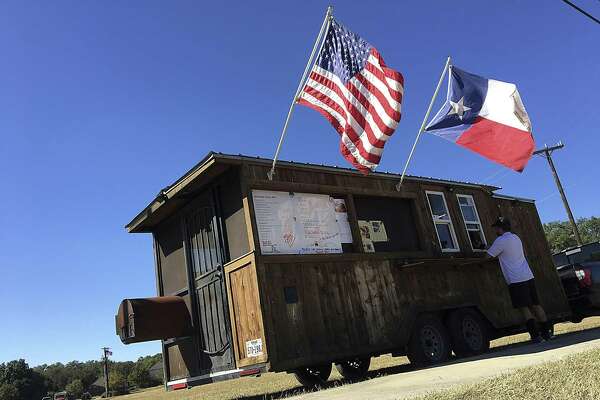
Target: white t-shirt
point(509, 250)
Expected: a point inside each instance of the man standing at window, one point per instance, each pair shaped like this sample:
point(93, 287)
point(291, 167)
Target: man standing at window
point(521, 284)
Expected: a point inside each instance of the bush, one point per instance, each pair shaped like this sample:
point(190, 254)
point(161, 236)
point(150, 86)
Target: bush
point(17, 376)
point(117, 382)
point(140, 375)
point(9, 392)
point(75, 388)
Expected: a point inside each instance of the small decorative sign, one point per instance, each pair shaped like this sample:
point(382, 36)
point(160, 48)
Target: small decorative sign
point(254, 348)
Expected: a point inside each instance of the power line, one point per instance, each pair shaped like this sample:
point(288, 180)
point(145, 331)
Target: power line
point(590, 16)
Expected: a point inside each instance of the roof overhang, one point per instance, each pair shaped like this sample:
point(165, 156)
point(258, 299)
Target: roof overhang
point(175, 195)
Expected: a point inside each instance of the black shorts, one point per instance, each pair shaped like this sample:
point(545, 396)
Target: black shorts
point(523, 294)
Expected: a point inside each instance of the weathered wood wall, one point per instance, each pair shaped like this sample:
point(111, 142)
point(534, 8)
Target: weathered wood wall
point(317, 308)
point(352, 304)
point(348, 306)
point(245, 309)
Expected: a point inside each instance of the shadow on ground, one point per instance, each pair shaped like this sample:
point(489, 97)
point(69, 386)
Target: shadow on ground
point(562, 340)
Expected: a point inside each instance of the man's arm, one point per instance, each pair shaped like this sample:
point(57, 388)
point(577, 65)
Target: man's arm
point(495, 249)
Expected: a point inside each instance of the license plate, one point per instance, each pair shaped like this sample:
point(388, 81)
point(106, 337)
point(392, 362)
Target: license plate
point(254, 348)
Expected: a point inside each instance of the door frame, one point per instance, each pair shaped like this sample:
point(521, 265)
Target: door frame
point(211, 194)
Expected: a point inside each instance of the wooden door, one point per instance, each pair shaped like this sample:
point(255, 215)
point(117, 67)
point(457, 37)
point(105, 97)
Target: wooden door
point(207, 254)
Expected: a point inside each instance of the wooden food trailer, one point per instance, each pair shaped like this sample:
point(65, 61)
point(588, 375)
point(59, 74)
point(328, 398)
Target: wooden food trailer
point(324, 265)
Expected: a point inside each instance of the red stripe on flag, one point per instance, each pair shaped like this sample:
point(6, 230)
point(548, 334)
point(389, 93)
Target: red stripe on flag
point(395, 75)
point(393, 114)
point(501, 143)
point(356, 114)
point(343, 149)
point(364, 114)
point(347, 129)
point(394, 94)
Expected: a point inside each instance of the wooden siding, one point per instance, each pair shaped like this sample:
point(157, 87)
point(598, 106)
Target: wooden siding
point(182, 358)
point(245, 308)
point(362, 305)
point(232, 212)
point(171, 257)
point(308, 309)
point(359, 304)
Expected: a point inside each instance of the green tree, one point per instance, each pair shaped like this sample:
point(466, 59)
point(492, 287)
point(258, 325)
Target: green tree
point(560, 235)
point(9, 392)
point(29, 384)
point(140, 374)
point(75, 388)
point(117, 381)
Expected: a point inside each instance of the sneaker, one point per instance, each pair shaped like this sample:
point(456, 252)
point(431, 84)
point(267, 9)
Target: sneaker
point(548, 330)
point(548, 336)
point(538, 339)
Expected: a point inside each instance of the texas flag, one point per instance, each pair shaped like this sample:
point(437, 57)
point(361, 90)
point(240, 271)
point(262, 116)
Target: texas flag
point(487, 117)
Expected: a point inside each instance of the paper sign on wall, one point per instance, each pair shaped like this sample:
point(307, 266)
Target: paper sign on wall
point(378, 232)
point(296, 223)
point(341, 216)
point(366, 231)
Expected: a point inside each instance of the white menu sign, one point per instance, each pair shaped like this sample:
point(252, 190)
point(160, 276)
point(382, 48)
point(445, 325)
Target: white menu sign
point(296, 223)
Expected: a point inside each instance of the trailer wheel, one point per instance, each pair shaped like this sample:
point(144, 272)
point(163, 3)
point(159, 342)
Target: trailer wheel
point(313, 376)
point(469, 332)
point(354, 369)
point(429, 342)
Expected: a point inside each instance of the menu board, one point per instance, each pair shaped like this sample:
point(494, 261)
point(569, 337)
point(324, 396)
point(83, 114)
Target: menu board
point(296, 223)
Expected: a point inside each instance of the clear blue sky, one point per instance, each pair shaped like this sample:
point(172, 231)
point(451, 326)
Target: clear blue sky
point(104, 103)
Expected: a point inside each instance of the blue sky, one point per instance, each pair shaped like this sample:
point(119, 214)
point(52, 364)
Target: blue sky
point(104, 103)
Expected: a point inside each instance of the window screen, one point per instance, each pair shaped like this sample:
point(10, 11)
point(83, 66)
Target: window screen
point(389, 222)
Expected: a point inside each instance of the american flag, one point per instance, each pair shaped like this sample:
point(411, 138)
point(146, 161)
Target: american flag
point(361, 97)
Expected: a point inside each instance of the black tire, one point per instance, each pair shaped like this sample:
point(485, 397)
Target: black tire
point(429, 342)
point(354, 369)
point(469, 332)
point(313, 376)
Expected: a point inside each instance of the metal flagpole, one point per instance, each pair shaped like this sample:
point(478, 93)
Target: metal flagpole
point(322, 33)
point(437, 89)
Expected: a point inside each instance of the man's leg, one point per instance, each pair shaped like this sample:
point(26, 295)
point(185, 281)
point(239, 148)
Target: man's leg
point(532, 325)
point(539, 313)
point(546, 326)
point(526, 312)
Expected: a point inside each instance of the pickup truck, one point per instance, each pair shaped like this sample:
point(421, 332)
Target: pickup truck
point(579, 271)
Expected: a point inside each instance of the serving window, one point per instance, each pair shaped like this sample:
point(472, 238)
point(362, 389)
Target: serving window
point(386, 224)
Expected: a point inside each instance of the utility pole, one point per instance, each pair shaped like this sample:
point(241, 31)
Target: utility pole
point(546, 152)
point(105, 353)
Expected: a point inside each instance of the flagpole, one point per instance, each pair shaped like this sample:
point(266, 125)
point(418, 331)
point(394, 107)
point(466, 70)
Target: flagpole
point(437, 89)
point(318, 45)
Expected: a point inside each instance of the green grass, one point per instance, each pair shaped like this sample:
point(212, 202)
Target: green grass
point(281, 385)
point(576, 377)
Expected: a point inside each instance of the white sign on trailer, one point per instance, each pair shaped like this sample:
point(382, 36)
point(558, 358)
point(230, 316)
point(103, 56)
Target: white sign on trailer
point(254, 348)
point(296, 223)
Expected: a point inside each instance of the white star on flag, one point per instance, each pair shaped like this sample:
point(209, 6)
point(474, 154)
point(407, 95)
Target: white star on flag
point(459, 108)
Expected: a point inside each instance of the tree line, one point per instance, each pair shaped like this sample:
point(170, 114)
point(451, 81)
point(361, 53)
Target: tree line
point(18, 381)
point(560, 235)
